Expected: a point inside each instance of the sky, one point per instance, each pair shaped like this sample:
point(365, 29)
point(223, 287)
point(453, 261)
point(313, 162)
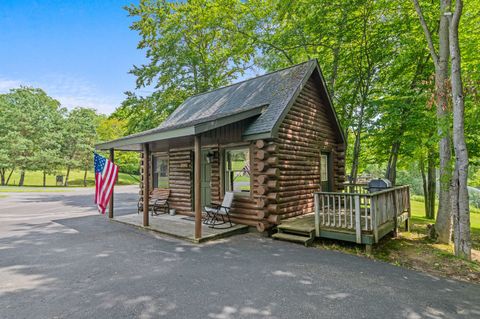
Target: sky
point(79, 52)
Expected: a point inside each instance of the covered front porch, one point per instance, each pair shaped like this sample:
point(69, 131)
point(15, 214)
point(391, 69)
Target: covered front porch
point(195, 165)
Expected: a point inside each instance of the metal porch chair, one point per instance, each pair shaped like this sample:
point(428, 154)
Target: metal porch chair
point(219, 214)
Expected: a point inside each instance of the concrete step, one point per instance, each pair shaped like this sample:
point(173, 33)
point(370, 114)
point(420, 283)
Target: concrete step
point(306, 240)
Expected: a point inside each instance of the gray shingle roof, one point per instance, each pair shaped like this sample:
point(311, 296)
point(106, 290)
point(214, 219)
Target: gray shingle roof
point(268, 97)
point(275, 90)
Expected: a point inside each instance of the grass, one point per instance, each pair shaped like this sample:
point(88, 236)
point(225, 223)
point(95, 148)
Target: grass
point(418, 198)
point(35, 179)
point(415, 250)
point(31, 189)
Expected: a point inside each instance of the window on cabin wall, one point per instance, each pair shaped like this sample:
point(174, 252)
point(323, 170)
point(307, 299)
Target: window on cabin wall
point(324, 168)
point(160, 171)
point(237, 170)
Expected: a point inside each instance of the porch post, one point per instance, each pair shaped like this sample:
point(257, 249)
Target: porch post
point(110, 204)
point(197, 189)
point(146, 183)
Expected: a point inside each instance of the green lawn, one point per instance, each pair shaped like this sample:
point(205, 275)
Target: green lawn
point(418, 217)
point(35, 179)
point(416, 251)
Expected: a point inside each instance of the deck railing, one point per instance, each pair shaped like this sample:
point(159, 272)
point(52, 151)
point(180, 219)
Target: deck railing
point(359, 211)
point(355, 188)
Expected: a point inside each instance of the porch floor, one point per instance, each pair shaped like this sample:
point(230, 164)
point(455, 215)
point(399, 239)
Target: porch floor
point(180, 226)
point(305, 225)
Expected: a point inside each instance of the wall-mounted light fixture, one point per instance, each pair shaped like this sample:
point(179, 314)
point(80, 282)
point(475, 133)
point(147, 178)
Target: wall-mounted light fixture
point(210, 157)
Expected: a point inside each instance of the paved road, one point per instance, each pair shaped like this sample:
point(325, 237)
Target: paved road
point(60, 259)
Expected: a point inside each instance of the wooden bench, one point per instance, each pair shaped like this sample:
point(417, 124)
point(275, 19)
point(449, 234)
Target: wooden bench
point(158, 201)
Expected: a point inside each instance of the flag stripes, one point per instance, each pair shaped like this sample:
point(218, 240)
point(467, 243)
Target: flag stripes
point(106, 173)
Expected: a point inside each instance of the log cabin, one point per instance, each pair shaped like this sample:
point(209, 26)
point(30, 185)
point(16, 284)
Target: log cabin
point(273, 140)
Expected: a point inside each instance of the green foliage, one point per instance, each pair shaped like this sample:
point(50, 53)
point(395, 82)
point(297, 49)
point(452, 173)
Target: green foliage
point(78, 138)
point(38, 136)
point(190, 49)
point(30, 126)
point(112, 128)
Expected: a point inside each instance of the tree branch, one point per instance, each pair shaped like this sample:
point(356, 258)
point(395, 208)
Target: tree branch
point(428, 35)
point(457, 14)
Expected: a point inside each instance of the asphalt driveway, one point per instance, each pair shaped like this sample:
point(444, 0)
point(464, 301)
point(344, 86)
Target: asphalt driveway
point(61, 259)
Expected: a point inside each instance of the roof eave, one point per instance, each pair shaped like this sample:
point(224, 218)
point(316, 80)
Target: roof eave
point(134, 142)
point(139, 140)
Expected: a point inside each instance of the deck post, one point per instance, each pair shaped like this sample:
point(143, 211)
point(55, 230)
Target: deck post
point(407, 222)
point(110, 203)
point(358, 225)
point(146, 183)
point(316, 198)
point(395, 214)
point(197, 187)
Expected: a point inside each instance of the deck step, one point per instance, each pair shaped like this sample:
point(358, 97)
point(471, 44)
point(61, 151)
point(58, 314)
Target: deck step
point(306, 240)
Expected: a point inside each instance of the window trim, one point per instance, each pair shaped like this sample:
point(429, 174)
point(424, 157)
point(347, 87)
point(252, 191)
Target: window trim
point(224, 168)
point(161, 156)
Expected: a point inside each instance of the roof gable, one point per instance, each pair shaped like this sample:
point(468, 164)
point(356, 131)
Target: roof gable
point(272, 90)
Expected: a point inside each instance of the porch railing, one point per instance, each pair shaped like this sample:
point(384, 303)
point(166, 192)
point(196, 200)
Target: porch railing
point(355, 188)
point(361, 212)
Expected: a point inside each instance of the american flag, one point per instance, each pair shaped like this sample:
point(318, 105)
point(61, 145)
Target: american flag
point(105, 177)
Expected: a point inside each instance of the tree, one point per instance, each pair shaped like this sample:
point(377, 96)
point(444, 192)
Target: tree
point(460, 202)
point(189, 49)
point(112, 128)
point(29, 117)
point(79, 136)
point(443, 224)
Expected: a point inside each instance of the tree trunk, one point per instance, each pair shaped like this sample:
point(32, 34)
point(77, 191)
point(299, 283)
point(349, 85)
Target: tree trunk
point(432, 184)
point(85, 177)
point(443, 224)
point(391, 173)
point(66, 177)
point(44, 179)
point(421, 165)
point(9, 175)
point(3, 171)
point(22, 178)
point(460, 204)
point(356, 147)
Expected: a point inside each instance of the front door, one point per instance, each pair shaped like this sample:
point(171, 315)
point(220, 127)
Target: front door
point(325, 172)
point(206, 179)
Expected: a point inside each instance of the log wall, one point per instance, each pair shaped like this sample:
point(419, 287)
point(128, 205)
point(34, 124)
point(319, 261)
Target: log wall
point(289, 165)
point(285, 170)
point(180, 165)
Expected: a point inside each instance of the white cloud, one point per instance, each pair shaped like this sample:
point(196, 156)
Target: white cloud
point(6, 84)
point(70, 91)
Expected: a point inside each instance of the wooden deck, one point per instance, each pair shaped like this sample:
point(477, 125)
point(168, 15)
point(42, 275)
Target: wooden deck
point(362, 218)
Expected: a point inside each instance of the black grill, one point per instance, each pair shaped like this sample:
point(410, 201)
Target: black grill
point(376, 185)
